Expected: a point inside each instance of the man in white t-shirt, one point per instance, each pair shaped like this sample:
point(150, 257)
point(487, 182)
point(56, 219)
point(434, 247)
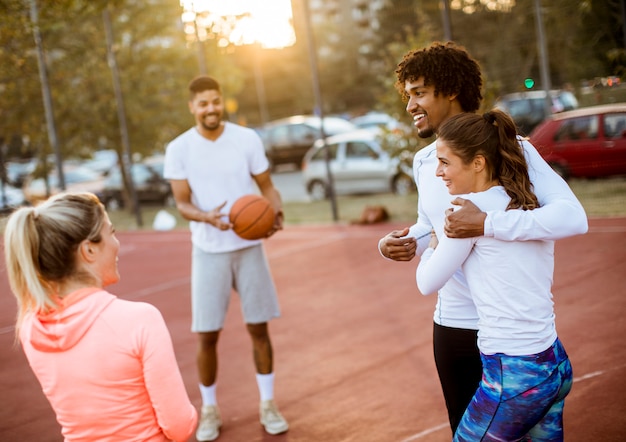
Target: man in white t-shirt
point(438, 82)
point(209, 167)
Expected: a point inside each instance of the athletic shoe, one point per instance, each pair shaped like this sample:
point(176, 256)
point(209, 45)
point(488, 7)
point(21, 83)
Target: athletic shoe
point(210, 423)
point(271, 419)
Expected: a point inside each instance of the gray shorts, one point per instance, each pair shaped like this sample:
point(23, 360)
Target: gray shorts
point(215, 275)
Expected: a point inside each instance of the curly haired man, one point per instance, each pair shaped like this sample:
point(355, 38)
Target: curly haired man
point(438, 82)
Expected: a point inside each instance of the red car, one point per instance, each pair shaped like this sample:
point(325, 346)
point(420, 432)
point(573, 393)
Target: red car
point(586, 142)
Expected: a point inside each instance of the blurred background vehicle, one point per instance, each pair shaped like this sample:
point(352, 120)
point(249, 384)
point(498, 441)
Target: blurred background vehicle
point(149, 185)
point(377, 121)
point(287, 140)
point(586, 142)
point(102, 161)
point(17, 171)
point(358, 164)
point(528, 108)
point(77, 179)
point(11, 198)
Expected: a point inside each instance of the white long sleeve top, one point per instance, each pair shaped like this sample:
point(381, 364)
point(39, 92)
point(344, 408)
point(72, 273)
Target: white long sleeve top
point(510, 283)
point(561, 215)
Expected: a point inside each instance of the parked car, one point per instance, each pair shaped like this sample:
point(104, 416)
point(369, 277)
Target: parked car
point(149, 185)
point(102, 161)
point(10, 198)
point(587, 142)
point(77, 179)
point(358, 165)
point(377, 121)
point(17, 171)
point(287, 140)
point(528, 109)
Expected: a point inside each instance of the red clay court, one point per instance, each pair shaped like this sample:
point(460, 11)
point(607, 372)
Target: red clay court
point(353, 347)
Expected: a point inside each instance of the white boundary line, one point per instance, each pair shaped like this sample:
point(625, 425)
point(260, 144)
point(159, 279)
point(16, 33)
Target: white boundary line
point(434, 429)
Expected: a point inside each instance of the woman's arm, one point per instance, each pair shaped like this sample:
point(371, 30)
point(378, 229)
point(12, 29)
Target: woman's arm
point(437, 265)
point(174, 412)
point(560, 214)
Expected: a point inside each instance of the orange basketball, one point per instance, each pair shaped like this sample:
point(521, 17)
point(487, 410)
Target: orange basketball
point(252, 217)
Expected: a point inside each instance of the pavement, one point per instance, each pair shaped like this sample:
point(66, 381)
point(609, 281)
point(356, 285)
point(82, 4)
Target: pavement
point(353, 348)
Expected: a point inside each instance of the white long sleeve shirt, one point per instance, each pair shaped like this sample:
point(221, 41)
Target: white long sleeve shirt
point(561, 215)
point(510, 283)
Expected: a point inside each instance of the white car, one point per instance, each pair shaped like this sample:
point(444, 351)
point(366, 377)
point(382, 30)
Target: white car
point(10, 198)
point(378, 122)
point(358, 165)
point(77, 179)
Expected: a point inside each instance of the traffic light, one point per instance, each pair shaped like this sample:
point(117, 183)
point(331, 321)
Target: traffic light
point(529, 83)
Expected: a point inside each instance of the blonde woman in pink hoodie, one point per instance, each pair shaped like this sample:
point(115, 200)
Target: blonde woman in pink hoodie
point(106, 365)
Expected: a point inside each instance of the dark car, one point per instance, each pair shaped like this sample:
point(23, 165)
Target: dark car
point(149, 185)
point(528, 109)
point(587, 142)
point(287, 140)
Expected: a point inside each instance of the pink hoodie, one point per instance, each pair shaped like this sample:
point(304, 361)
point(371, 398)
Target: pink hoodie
point(108, 368)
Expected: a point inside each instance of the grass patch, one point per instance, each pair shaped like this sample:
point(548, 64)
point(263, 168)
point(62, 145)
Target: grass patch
point(600, 198)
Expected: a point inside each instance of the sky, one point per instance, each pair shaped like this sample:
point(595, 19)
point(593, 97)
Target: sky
point(268, 21)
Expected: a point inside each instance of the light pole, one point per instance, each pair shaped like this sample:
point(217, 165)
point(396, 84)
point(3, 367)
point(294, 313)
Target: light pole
point(121, 115)
point(543, 57)
point(319, 108)
point(445, 16)
point(192, 31)
point(47, 97)
point(260, 86)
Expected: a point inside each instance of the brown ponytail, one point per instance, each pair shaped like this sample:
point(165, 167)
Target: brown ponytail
point(494, 136)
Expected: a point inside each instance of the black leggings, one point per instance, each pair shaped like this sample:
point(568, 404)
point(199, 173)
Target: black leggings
point(459, 367)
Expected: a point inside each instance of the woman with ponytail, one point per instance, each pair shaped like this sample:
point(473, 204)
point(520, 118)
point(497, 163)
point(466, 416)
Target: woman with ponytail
point(106, 365)
point(526, 371)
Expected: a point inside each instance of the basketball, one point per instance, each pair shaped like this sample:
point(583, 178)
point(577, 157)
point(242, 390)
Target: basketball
point(252, 217)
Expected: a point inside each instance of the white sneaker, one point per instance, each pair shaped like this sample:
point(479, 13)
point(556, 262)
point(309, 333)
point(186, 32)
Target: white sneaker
point(271, 419)
point(210, 423)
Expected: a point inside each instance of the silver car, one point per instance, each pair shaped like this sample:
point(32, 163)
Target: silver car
point(358, 165)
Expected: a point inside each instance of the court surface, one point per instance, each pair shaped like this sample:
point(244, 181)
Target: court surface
point(353, 348)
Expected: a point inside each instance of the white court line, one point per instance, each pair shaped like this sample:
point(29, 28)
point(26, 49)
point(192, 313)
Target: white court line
point(8, 329)
point(314, 244)
point(427, 432)
point(136, 294)
point(431, 430)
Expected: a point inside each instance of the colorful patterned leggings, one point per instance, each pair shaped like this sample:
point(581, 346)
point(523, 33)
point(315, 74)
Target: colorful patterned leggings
point(520, 398)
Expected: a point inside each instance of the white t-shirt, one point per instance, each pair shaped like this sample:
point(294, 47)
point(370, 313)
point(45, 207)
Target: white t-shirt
point(217, 171)
point(510, 283)
point(560, 215)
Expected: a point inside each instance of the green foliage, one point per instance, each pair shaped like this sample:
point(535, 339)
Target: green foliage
point(155, 67)
point(585, 40)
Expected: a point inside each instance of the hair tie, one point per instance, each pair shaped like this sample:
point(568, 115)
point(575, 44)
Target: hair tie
point(490, 118)
point(35, 213)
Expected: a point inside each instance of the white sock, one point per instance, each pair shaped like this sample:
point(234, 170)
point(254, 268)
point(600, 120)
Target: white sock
point(208, 394)
point(266, 386)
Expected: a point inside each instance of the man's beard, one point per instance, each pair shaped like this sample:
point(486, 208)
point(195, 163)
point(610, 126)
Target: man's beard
point(212, 126)
point(426, 133)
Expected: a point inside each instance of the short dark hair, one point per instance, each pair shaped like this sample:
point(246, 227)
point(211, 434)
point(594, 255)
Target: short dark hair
point(203, 83)
point(446, 66)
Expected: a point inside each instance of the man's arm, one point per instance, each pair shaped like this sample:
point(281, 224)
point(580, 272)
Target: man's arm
point(182, 195)
point(396, 245)
point(266, 186)
point(560, 214)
